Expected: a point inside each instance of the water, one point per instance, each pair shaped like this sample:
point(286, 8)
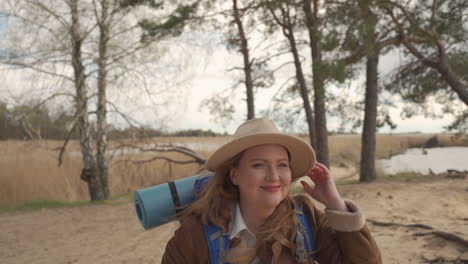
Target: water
point(438, 160)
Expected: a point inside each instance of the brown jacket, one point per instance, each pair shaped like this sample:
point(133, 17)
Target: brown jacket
point(340, 238)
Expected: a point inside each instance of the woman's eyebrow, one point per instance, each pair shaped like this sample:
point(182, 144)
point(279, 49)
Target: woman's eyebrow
point(257, 159)
point(265, 160)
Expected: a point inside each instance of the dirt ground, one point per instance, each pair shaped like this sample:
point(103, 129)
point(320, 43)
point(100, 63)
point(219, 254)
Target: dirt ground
point(112, 233)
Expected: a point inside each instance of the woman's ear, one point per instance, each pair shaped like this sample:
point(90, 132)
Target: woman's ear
point(233, 176)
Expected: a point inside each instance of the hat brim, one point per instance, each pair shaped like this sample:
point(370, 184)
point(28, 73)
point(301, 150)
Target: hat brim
point(302, 156)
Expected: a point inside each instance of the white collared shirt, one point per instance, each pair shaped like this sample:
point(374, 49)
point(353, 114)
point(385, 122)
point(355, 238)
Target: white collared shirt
point(239, 228)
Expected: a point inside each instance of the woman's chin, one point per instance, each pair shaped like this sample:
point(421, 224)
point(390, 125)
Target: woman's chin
point(272, 202)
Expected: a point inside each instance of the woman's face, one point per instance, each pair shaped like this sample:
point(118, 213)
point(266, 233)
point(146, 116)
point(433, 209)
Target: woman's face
point(263, 176)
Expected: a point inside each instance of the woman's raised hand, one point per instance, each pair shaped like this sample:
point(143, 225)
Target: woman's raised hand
point(325, 189)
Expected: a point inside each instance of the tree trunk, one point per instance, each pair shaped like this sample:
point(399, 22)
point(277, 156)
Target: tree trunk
point(289, 34)
point(247, 64)
point(460, 88)
point(101, 141)
point(89, 170)
point(321, 130)
point(368, 141)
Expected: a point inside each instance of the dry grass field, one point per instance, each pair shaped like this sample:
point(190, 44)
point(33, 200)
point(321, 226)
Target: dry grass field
point(29, 169)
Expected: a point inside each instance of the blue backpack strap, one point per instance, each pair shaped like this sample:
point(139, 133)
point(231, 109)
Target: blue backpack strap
point(198, 187)
point(305, 243)
point(218, 242)
point(201, 183)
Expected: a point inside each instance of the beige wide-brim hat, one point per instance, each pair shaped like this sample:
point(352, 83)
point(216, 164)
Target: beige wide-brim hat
point(261, 131)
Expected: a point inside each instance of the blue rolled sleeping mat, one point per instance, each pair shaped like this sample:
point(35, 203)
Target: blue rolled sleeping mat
point(161, 203)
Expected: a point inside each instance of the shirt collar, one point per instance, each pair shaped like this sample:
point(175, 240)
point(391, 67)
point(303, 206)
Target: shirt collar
point(238, 224)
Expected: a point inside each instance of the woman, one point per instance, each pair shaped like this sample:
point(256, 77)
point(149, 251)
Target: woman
point(248, 200)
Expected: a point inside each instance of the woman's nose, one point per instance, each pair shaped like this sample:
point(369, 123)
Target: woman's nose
point(273, 173)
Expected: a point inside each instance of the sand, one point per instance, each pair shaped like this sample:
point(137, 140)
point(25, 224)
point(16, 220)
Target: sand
point(112, 233)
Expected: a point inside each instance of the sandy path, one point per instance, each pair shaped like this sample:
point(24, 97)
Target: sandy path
point(90, 234)
point(112, 233)
point(435, 201)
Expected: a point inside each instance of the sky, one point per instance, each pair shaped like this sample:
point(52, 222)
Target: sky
point(212, 78)
point(206, 74)
point(3, 22)
point(3, 25)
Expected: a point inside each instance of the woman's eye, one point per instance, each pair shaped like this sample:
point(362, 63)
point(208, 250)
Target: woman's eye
point(285, 165)
point(257, 165)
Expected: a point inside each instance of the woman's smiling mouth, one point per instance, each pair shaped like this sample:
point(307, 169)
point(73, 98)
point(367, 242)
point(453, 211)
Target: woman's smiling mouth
point(271, 188)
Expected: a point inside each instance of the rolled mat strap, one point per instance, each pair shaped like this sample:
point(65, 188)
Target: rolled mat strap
point(175, 197)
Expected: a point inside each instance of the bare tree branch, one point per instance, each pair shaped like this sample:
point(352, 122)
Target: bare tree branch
point(130, 121)
point(59, 18)
point(166, 148)
point(166, 159)
point(64, 145)
point(27, 66)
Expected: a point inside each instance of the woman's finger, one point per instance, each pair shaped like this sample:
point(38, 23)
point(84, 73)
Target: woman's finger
point(322, 167)
point(315, 169)
point(318, 173)
point(307, 188)
point(310, 190)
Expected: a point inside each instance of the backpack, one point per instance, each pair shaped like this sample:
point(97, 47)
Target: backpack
point(218, 240)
